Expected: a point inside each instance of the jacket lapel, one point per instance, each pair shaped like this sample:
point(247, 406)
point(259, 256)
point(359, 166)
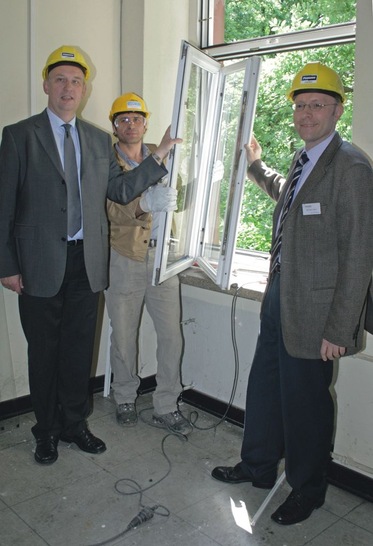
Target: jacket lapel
point(315, 177)
point(318, 172)
point(44, 133)
point(84, 139)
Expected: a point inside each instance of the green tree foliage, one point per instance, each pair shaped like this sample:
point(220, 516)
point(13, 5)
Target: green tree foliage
point(273, 125)
point(245, 19)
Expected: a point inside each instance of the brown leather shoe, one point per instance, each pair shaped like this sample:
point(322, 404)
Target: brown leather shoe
point(85, 441)
point(296, 508)
point(46, 450)
point(234, 474)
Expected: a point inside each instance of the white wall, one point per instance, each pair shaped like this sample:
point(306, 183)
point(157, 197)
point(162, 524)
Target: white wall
point(209, 360)
point(362, 133)
point(152, 33)
point(353, 445)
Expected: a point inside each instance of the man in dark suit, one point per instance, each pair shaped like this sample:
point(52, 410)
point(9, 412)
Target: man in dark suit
point(314, 306)
point(56, 261)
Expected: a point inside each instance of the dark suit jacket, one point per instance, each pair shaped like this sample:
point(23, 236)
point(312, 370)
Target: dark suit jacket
point(33, 202)
point(326, 258)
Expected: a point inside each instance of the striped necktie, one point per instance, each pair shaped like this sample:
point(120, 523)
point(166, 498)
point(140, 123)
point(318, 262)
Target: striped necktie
point(74, 219)
point(276, 249)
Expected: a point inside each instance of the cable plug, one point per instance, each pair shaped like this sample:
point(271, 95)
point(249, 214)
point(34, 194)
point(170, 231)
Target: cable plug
point(144, 515)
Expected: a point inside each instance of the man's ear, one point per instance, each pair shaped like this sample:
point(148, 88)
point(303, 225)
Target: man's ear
point(46, 87)
point(339, 110)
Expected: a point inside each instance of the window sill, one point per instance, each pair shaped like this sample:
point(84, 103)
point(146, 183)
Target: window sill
point(247, 284)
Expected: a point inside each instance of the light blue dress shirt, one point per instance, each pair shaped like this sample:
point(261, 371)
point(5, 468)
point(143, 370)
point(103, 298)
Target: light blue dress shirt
point(59, 135)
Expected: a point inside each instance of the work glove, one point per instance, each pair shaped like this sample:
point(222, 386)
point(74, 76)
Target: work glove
point(159, 198)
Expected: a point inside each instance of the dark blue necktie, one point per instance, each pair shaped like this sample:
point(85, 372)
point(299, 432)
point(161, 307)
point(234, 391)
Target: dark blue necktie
point(276, 249)
point(74, 219)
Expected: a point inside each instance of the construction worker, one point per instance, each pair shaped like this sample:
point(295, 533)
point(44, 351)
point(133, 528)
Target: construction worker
point(133, 240)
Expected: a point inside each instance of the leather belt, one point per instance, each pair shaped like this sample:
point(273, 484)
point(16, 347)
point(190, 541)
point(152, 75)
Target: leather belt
point(152, 243)
point(75, 242)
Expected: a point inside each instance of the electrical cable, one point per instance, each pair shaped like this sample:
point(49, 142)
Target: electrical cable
point(141, 490)
point(144, 515)
point(147, 512)
point(236, 368)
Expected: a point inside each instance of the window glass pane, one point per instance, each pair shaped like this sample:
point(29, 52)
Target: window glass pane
point(222, 169)
point(196, 95)
point(245, 19)
point(187, 170)
point(194, 123)
point(213, 113)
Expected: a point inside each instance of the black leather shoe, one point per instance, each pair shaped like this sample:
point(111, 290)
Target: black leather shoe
point(46, 450)
point(296, 508)
point(85, 441)
point(234, 474)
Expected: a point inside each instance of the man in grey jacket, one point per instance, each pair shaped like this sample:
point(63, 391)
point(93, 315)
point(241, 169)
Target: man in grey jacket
point(314, 306)
point(59, 272)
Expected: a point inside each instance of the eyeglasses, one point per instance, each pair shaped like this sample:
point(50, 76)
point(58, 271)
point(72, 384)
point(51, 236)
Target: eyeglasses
point(136, 120)
point(313, 106)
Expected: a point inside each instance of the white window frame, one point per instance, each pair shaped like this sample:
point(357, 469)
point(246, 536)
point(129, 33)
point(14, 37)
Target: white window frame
point(342, 33)
point(202, 239)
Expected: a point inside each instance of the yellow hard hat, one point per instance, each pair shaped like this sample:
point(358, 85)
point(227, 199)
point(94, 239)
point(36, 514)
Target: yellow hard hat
point(316, 76)
point(66, 55)
point(129, 102)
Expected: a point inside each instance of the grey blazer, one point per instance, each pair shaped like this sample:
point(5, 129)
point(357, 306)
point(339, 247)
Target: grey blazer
point(326, 256)
point(33, 201)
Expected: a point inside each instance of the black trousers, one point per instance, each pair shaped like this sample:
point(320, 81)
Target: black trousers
point(289, 409)
point(60, 333)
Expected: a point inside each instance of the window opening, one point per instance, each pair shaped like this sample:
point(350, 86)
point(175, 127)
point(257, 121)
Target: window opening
point(282, 55)
point(286, 36)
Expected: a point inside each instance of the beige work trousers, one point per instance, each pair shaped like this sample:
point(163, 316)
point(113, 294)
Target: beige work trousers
point(130, 288)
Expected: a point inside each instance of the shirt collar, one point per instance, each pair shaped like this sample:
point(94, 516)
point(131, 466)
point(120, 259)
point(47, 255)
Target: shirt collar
point(315, 153)
point(145, 152)
point(57, 121)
